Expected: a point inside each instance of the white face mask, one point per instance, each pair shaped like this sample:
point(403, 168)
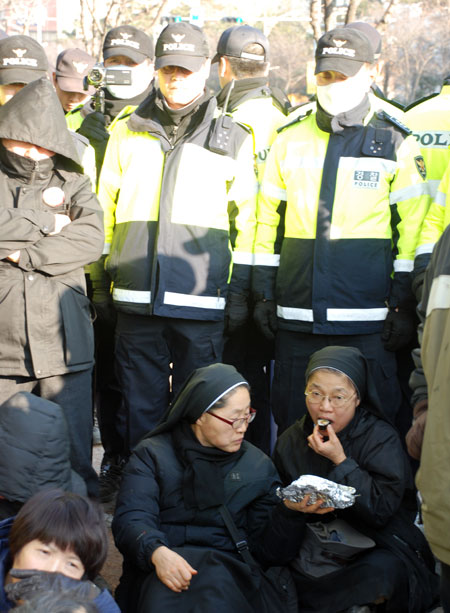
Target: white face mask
point(342, 96)
point(141, 75)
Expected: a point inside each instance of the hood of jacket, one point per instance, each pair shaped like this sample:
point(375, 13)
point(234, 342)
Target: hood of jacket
point(35, 115)
point(35, 444)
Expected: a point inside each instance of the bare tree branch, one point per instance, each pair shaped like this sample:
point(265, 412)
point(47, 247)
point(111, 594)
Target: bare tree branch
point(389, 8)
point(351, 11)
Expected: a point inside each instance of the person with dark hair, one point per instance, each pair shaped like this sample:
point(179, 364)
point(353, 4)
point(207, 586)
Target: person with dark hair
point(170, 517)
point(361, 449)
point(60, 533)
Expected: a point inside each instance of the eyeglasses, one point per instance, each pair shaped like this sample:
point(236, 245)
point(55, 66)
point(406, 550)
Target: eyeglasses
point(237, 423)
point(337, 401)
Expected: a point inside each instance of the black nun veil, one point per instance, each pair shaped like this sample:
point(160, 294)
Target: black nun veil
point(351, 362)
point(204, 467)
point(203, 388)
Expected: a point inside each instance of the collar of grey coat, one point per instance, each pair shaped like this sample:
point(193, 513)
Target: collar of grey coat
point(337, 123)
point(23, 168)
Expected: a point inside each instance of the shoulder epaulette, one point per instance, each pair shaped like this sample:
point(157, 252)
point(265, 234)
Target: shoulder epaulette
point(296, 120)
point(420, 100)
point(125, 116)
point(394, 121)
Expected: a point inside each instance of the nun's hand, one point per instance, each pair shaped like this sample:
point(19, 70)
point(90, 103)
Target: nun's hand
point(172, 569)
point(331, 449)
point(304, 507)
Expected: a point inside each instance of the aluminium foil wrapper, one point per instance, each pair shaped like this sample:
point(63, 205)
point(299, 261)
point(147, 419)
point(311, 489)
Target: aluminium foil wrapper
point(333, 494)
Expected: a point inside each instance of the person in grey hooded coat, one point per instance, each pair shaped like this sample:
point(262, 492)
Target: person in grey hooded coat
point(50, 228)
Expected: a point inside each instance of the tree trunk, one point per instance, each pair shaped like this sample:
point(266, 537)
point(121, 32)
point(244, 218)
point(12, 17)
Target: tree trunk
point(316, 18)
point(351, 11)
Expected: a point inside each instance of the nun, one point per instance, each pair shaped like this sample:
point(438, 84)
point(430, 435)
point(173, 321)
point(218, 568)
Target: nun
point(179, 553)
point(346, 438)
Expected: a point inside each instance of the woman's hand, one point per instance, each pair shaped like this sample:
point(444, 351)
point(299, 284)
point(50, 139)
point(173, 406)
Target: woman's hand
point(303, 506)
point(172, 569)
point(331, 449)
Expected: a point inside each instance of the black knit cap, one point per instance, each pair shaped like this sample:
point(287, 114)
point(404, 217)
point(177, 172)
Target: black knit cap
point(200, 392)
point(344, 50)
point(22, 60)
point(181, 44)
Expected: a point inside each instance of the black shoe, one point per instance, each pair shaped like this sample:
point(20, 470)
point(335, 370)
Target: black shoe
point(109, 481)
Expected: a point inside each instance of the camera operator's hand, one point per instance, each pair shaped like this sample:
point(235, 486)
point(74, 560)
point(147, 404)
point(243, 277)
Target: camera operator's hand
point(94, 129)
point(32, 582)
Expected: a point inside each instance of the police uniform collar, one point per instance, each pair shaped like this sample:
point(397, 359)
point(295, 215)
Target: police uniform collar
point(256, 86)
point(337, 123)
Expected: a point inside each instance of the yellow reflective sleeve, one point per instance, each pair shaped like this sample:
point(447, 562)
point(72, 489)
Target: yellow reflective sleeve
point(409, 195)
point(243, 194)
point(438, 216)
point(109, 183)
point(273, 191)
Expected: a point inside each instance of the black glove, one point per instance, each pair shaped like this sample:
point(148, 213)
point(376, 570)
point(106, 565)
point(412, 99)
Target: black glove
point(94, 129)
point(236, 312)
point(33, 582)
point(400, 328)
point(106, 313)
point(265, 316)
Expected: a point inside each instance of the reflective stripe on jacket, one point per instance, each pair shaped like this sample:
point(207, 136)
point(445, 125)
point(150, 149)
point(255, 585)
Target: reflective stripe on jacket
point(339, 213)
point(176, 217)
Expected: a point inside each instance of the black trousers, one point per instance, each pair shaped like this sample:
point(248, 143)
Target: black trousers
point(154, 356)
point(107, 395)
point(250, 353)
point(292, 353)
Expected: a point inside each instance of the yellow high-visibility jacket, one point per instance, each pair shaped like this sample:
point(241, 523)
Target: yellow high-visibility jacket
point(339, 215)
point(429, 119)
point(177, 217)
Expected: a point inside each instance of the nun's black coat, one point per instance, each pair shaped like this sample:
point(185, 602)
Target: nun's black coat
point(151, 512)
point(376, 465)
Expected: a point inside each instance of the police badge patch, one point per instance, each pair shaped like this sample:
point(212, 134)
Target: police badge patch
point(366, 179)
point(420, 165)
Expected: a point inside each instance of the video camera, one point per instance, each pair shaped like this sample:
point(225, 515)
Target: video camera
point(99, 77)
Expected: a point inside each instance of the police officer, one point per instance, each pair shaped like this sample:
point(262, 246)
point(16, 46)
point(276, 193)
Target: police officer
point(125, 48)
point(243, 65)
point(343, 198)
point(176, 175)
point(72, 66)
point(22, 60)
point(429, 119)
